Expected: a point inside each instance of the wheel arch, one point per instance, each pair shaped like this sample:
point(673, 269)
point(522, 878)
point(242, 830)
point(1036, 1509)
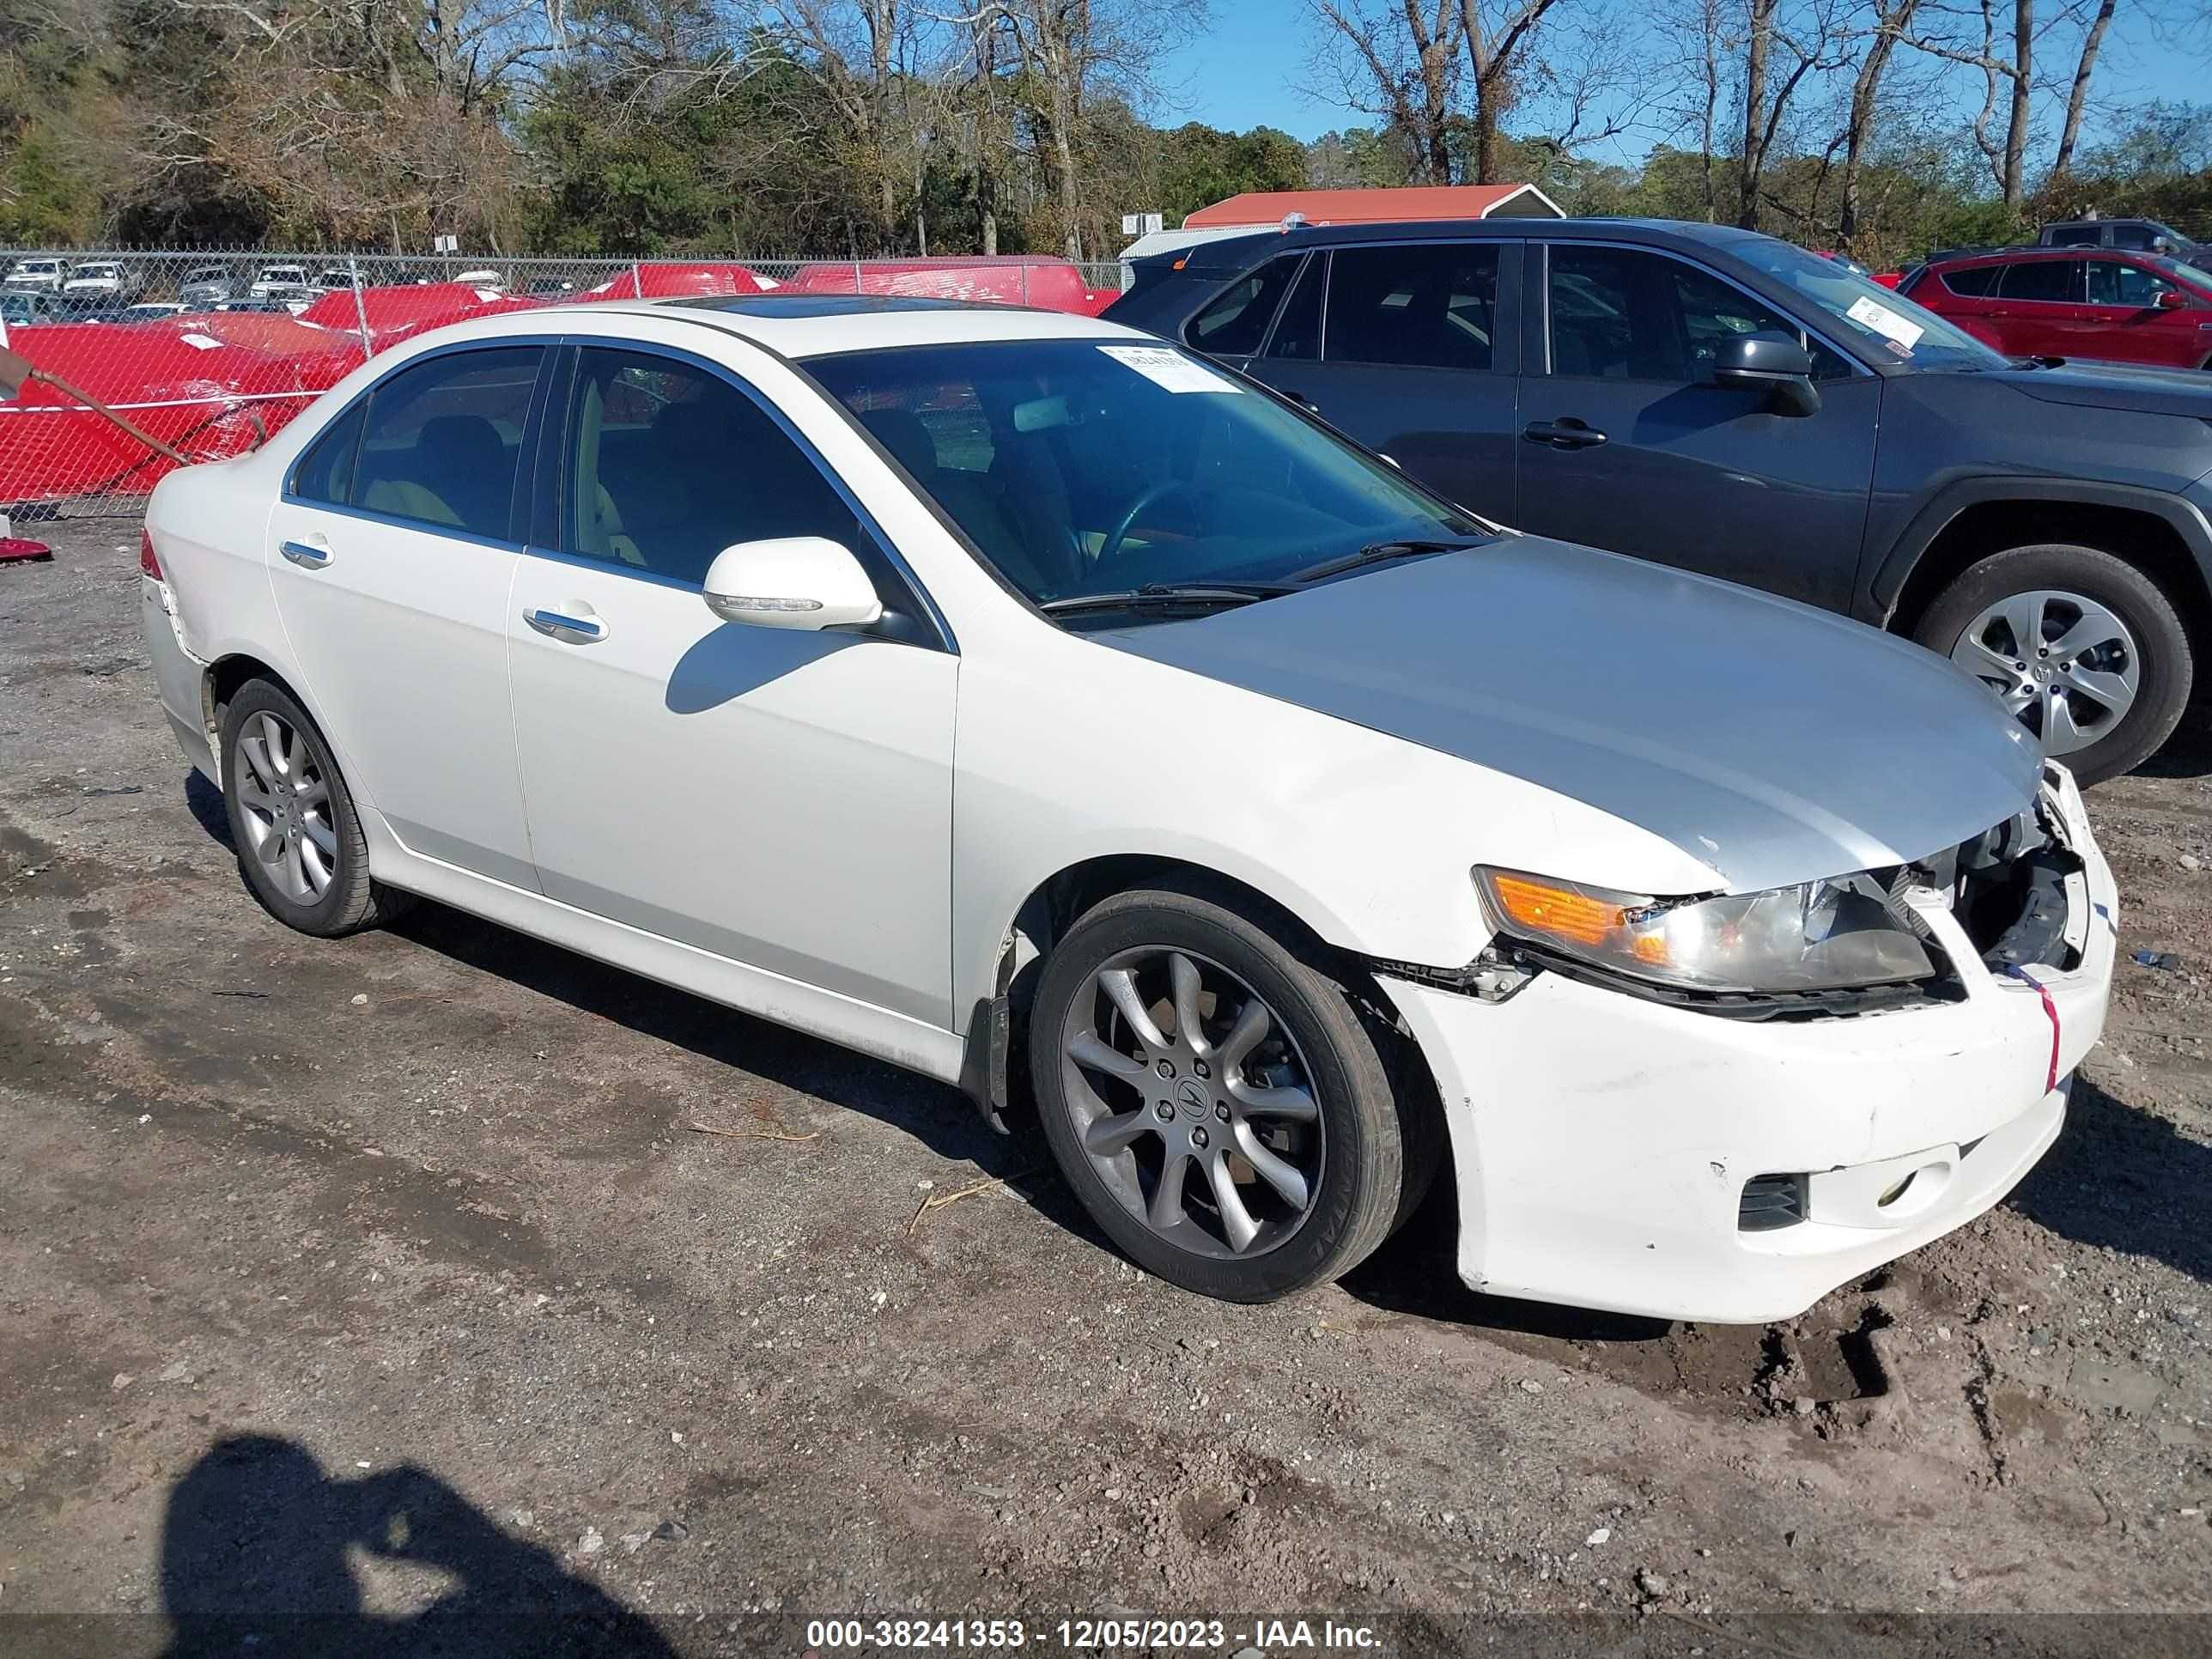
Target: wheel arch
point(2163, 536)
point(1057, 902)
point(219, 682)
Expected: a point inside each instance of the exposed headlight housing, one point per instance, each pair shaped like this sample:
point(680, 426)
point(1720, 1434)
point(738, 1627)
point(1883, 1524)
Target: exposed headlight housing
point(1842, 933)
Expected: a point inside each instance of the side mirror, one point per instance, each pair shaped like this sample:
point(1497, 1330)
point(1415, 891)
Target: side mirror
point(1772, 364)
point(792, 581)
point(2171, 299)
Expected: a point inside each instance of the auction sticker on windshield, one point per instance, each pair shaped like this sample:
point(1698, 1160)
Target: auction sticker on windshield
point(1900, 330)
point(1166, 367)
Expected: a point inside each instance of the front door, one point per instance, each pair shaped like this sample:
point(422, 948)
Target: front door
point(782, 799)
point(1628, 445)
point(391, 553)
point(2130, 324)
point(1411, 348)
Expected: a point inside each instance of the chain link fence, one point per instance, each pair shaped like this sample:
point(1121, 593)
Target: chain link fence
point(195, 353)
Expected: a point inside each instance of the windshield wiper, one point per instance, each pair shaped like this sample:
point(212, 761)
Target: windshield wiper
point(1377, 553)
point(1166, 595)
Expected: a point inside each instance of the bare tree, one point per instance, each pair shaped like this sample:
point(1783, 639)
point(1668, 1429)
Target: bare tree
point(1699, 33)
point(2077, 95)
point(1400, 67)
point(1890, 19)
point(2008, 75)
point(1497, 39)
point(1798, 43)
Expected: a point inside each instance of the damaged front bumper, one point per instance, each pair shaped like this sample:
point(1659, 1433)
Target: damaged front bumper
point(1619, 1152)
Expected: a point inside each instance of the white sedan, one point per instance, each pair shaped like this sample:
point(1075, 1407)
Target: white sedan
point(1024, 700)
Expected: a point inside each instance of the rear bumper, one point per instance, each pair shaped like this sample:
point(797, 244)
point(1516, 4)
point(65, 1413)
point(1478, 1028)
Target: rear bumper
point(178, 676)
point(1602, 1143)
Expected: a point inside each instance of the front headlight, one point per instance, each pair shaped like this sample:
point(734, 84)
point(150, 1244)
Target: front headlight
point(1819, 936)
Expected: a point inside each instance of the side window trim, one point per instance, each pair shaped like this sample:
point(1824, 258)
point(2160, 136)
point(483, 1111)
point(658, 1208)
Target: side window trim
point(525, 450)
point(1540, 313)
point(935, 633)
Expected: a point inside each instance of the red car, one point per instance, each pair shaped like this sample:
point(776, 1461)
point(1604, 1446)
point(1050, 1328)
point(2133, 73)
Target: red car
point(2075, 302)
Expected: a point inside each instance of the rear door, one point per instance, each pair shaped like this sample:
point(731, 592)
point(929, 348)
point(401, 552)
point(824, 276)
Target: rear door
point(1967, 295)
point(2041, 309)
point(1412, 348)
point(1630, 445)
point(392, 555)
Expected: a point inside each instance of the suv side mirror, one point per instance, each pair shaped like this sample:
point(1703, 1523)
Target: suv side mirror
point(1771, 363)
point(792, 581)
point(2170, 299)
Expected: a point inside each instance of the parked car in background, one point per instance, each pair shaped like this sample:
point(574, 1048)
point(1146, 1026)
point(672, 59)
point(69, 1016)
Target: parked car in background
point(104, 279)
point(336, 279)
point(1046, 685)
point(481, 278)
point(151, 311)
point(205, 287)
point(271, 278)
point(2143, 235)
point(1724, 402)
point(2059, 303)
point(21, 306)
point(37, 276)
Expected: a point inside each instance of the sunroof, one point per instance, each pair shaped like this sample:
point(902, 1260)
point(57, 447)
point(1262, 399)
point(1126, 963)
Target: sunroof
point(821, 305)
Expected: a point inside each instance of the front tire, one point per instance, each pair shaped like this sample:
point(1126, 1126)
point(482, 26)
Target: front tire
point(2085, 648)
point(1214, 1097)
point(292, 819)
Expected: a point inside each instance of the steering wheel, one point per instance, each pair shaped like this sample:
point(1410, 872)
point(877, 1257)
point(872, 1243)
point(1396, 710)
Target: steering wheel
point(1111, 549)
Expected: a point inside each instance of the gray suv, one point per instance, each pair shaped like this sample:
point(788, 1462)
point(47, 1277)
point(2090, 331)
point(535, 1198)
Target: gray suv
point(1727, 403)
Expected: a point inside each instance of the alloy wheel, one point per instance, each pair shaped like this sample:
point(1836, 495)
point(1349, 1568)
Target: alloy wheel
point(1193, 1102)
point(2063, 664)
point(285, 805)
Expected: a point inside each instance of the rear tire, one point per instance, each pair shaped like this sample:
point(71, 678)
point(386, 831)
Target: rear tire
point(1276, 1093)
point(292, 819)
point(2128, 686)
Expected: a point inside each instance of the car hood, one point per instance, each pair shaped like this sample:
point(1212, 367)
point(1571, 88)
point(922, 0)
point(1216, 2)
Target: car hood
point(2116, 386)
point(1772, 742)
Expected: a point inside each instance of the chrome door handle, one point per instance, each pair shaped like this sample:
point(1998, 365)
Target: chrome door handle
point(559, 625)
point(305, 554)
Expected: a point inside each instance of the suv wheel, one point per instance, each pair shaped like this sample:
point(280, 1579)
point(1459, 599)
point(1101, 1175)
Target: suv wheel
point(292, 819)
point(2082, 646)
point(1214, 1099)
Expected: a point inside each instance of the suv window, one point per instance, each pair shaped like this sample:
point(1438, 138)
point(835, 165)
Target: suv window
point(2116, 283)
point(1432, 305)
point(1235, 322)
point(2134, 236)
point(667, 463)
point(2055, 280)
point(2071, 236)
point(1974, 282)
point(443, 439)
point(1623, 314)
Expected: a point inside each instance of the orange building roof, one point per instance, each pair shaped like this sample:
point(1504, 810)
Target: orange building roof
point(1353, 206)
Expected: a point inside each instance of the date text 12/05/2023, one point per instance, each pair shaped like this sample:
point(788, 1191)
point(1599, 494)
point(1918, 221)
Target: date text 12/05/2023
point(1081, 1634)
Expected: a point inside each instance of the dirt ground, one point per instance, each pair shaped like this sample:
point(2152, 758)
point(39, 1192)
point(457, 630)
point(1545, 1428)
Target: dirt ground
point(392, 1286)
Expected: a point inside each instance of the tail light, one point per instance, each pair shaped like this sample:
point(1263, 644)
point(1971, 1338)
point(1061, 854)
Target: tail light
point(146, 560)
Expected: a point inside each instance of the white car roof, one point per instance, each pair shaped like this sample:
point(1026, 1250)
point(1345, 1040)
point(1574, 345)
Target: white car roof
point(816, 324)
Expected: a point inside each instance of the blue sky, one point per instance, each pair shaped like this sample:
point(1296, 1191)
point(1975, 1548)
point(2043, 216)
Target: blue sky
point(1247, 69)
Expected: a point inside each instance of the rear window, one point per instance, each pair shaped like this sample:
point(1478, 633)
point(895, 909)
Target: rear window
point(1236, 321)
point(1974, 282)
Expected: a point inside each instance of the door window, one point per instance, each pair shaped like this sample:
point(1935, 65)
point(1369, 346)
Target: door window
point(1973, 282)
point(324, 473)
point(1432, 305)
point(1623, 314)
point(1235, 322)
point(2054, 281)
point(1297, 333)
point(2134, 236)
point(667, 463)
point(441, 440)
point(2113, 282)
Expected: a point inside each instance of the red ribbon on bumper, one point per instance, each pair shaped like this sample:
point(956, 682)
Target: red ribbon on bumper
point(2051, 1013)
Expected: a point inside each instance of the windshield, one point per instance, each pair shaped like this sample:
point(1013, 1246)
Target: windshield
point(1082, 467)
point(1865, 311)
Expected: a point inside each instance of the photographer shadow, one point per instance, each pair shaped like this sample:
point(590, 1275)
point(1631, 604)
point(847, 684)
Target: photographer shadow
point(258, 1552)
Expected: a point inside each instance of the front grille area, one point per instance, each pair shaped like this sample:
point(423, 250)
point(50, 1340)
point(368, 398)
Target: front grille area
point(1770, 1203)
point(2008, 891)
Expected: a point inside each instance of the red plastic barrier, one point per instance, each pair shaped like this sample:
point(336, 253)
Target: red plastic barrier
point(673, 283)
point(207, 386)
point(1007, 280)
point(395, 312)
